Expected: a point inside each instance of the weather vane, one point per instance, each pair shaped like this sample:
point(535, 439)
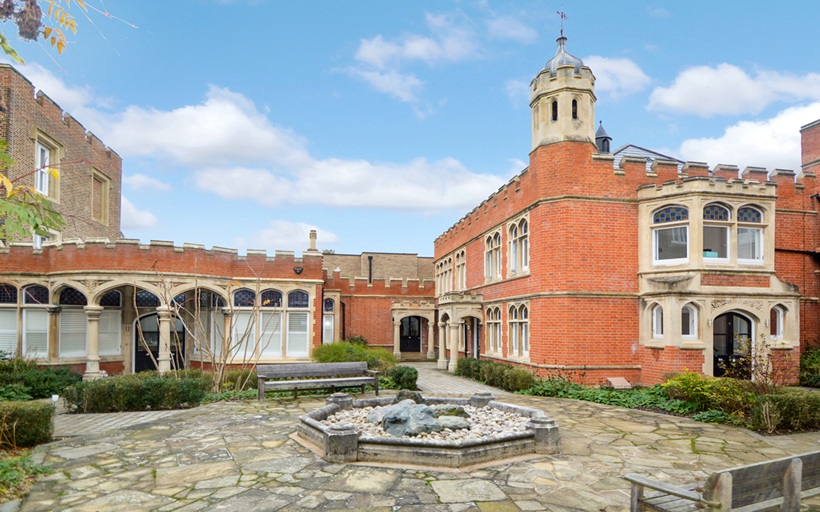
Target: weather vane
point(563, 16)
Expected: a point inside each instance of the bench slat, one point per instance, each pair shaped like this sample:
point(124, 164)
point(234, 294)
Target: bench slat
point(294, 370)
point(339, 383)
point(296, 376)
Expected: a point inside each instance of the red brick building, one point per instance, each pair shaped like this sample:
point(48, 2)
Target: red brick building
point(594, 270)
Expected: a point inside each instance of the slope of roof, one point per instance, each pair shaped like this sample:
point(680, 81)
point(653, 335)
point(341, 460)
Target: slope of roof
point(648, 154)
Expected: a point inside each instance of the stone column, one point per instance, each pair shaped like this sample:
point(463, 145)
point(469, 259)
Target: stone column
point(164, 359)
point(442, 346)
point(547, 437)
point(453, 340)
point(227, 334)
point(397, 340)
point(431, 348)
point(92, 362)
point(53, 338)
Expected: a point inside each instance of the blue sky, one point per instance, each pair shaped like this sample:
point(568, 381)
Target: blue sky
point(247, 123)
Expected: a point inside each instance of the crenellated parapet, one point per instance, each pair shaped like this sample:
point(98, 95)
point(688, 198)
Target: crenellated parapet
point(157, 256)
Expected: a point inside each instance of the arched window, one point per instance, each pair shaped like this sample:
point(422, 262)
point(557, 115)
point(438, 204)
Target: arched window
point(524, 324)
point(716, 218)
point(492, 256)
point(657, 321)
point(146, 299)
point(35, 321)
point(519, 247)
point(689, 321)
point(298, 299)
point(329, 305)
point(461, 270)
point(777, 316)
point(71, 297)
point(244, 298)
point(512, 321)
point(8, 319)
point(271, 299)
point(670, 235)
point(112, 299)
point(35, 294)
point(749, 235)
point(575, 109)
point(494, 330)
point(554, 110)
point(8, 294)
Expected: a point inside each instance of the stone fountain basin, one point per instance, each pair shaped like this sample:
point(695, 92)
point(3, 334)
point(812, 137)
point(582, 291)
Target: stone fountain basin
point(345, 443)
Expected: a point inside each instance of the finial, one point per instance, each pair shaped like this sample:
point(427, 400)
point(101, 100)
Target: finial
point(563, 17)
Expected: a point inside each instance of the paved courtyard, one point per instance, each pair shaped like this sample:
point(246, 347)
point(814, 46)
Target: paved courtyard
point(240, 456)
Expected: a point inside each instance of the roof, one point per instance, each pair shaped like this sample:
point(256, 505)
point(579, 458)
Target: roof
point(648, 154)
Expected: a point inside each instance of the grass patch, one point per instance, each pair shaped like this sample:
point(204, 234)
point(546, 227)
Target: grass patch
point(17, 474)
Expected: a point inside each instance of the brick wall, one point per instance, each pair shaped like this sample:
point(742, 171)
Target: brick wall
point(22, 116)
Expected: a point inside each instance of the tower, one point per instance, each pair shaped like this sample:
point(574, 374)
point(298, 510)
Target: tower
point(562, 99)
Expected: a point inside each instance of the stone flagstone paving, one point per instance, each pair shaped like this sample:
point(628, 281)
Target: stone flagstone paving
point(239, 456)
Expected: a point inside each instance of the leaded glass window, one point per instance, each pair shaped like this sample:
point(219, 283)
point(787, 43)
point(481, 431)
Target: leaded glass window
point(8, 294)
point(244, 298)
point(329, 305)
point(271, 299)
point(112, 299)
point(35, 295)
point(748, 214)
point(72, 297)
point(298, 299)
point(146, 299)
point(670, 214)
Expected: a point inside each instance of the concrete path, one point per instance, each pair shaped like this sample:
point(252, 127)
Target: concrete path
point(239, 456)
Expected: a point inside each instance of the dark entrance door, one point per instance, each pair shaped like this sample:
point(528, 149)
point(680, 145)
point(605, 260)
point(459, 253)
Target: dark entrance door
point(732, 335)
point(410, 334)
point(149, 345)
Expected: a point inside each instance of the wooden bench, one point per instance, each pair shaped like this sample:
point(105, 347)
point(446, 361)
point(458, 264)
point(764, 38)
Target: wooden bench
point(760, 486)
point(298, 376)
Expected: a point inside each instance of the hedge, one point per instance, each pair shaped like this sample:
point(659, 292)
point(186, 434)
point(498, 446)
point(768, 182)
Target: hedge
point(26, 423)
point(138, 392)
point(403, 377)
point(498, 375)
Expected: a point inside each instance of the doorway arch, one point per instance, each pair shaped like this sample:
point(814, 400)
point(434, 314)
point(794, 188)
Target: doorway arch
point(410, 334)
point(732, 335)
point(144, 352)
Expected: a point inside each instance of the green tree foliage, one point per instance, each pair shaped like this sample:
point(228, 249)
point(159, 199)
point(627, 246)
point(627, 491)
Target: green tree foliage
point(23, 210)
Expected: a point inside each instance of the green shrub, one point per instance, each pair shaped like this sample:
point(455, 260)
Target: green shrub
point(469, 367)
point(238, 379)
point(16, 473)
point(518, 379)
point(810, 368)
point(404, 377)
point(721, 394)
point(14, 392)
point(503, 376)
point(42, 382)
point(138, 392)
point(795, 412)
point(357, 340)
point(377, 359)
point(26, 423)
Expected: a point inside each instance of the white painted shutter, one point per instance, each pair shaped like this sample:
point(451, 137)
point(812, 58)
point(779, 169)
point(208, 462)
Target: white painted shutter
point(73, 326)
point(297, 335)
point(8, 331)
point(110, 333)
point(35, 333)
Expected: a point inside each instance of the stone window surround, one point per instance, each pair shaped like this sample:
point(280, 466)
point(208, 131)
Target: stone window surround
point(518, 247)
point(56, 153)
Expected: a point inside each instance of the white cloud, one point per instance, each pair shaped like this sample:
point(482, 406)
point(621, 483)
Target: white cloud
point(143, 182)
point(617, 77)
point(294, 235)
point(657, 12)
point(518, 91)
point(234, 151)
point(132, 218)
point(418, 185)
point(403, 87)
point(226, 128)
point(507, 27)
point(728, 90)
point(771, 143)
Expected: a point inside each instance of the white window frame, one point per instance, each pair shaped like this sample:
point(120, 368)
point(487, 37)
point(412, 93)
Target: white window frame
point(512, 322)
point(524, 323)
point(492, 256)
point(42, 161)
point(758, 239)
point(655, 248)
point(110, 338)
point(68, 345)
point(28, 332)
point(8, 330)
point(692, 324)
point(657, 321)
point(776, 331)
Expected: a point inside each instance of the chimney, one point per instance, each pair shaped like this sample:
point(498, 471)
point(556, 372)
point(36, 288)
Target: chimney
point(312, 241)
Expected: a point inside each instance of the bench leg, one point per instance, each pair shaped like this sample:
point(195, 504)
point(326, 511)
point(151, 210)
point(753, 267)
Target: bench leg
point(362, 388)
point(296, 393)
point(635, 498)
point(376, 385)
